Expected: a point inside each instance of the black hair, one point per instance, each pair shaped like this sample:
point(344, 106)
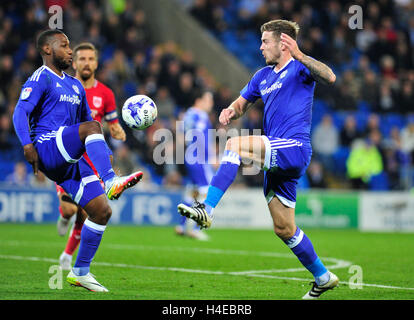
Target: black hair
point(198, 93)
point(45, 36)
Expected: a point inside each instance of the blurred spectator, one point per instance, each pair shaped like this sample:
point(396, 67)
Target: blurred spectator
point(407, 140)
point(165, 104)
point(349, 131)
point(396, 161)
point(19, 177)
point(315, 175)
point(366, 36)
point(5, 131)
point(344, 99)
point(124, 160)
point(373, 124)
point(202, 10)
point(364, 161)
point(388, 68)
point(386, 98)
point(325, 142)
point(370, 89)
point(184, 94)
point(41, 181)
point(405, 99)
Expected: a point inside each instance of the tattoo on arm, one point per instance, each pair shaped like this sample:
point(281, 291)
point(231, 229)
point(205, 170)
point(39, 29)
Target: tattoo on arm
point(319, 71)
point(240, 108)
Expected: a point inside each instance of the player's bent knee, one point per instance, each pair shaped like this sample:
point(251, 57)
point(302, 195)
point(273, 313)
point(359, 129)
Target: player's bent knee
point(98, 211)
point(284, 232)
point(90, 127)
point(106, 215)
point(233, 144)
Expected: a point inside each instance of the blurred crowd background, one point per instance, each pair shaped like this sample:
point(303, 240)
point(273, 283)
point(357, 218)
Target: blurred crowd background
point(363, 126)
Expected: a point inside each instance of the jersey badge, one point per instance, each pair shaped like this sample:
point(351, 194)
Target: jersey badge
point(76, 89)
point(97, 102)
point(26, 93)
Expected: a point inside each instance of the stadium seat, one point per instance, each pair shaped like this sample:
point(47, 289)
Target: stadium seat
point(107, 53)
point(361, 118)
point(340, 157)
point(379, 182)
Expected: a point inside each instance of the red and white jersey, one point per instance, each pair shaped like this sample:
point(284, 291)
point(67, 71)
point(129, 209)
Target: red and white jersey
point(101, 101)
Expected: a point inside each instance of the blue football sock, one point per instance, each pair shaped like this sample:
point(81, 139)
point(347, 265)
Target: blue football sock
point(91, 236)
point(97, 150)
point(223, 178)
point(302, 247)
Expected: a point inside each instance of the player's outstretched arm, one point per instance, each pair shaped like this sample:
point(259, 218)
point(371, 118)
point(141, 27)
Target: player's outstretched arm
point(116, 131)
point(319, 71)
point(234, 111)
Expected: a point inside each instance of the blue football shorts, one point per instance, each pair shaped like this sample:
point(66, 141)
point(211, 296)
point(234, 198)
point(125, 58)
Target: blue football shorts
point(285, 162)
point(200, 176)
point(61, 160)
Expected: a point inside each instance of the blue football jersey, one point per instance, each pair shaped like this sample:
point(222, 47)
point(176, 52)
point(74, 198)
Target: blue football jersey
point(287, 95)
point(53, 101)
point(199, 121)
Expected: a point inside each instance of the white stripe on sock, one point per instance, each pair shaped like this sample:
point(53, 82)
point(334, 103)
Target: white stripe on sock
point(296, 241)
point(93, 137)
point(94, 225)
point(232, 157)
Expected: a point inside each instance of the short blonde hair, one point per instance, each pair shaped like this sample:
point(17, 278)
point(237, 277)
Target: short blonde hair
point(279, 26)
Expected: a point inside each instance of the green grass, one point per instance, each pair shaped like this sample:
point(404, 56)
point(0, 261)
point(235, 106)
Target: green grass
point(152, 263)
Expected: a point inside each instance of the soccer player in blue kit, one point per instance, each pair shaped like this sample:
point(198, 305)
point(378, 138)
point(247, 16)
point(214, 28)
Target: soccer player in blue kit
point(286, 86)
point(61, 130)
point(197, 156)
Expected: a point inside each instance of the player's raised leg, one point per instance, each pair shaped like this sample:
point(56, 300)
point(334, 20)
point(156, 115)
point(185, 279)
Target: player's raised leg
point(237, 148)
point(91, 135)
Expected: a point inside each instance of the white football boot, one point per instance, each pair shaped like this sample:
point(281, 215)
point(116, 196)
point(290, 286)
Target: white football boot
point(87, 281)
point(316, 290)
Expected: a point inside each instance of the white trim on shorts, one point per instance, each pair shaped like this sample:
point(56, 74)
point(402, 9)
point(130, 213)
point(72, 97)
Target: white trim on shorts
point(274, 144)
point(288, 203)
point(61, 147)
point(82, 185)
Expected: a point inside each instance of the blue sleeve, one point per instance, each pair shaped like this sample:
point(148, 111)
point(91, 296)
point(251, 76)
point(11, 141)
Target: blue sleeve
point(251, 91)
point(20, 122)
point(304, 74)
point(85, 110)
point(32, 92)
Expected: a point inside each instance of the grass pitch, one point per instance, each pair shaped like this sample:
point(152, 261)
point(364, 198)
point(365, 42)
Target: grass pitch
point(152, 263)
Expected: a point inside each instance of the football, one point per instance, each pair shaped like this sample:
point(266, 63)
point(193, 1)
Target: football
point(139, 112)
